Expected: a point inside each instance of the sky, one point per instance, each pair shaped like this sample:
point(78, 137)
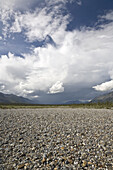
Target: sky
point(56, 51)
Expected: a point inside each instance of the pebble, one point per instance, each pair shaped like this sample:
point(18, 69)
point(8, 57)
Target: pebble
point(84, 164)
point(56, 138)
point(20, 166)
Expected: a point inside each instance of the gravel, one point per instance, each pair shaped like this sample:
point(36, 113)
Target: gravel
point(56, 139)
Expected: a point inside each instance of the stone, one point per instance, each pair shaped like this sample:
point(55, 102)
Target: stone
point(62, 148)
point(44, 160)
point(21, 166)
point(84, 163)
point(56, 138)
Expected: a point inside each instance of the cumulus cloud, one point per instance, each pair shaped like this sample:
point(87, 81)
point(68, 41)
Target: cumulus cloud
point(108, 85)
point(104, 86)
point(23, 76)
point(7, 4)
point(39, 24)
point(83, 57)
point(56, 88)
point(108, 16)
point(35, 22)
point(80, 57)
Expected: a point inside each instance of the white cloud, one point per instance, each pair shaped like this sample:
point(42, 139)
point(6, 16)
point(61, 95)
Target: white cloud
point(56, 88)
point(34, 97)
point(104, 86)
point(18, 4)
point(45, 20)
point(108, 16)
point(22, 76)
point(39, 24)
point(79, 2)
point(81, 57)
point(23, 4)
point(7, 4)
point(108, 85)
point(37, 21)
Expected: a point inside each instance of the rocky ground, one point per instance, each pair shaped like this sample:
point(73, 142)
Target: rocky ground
point(56, 139)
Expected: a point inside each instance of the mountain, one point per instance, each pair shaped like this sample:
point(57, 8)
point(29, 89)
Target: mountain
point(76, 102)
point(103, 98)
point(11, 98)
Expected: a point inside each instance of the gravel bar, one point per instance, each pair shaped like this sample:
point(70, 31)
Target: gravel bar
point(56, 139)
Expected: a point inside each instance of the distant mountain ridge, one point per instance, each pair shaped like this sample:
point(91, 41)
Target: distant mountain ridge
point(11, 98)
point(103, 98)
point(76, 102)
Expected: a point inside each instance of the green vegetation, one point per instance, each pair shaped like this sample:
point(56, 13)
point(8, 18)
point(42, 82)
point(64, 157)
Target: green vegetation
point(107, 105)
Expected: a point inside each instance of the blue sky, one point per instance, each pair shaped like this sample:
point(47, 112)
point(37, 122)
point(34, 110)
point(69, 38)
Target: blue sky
point(53, 52)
